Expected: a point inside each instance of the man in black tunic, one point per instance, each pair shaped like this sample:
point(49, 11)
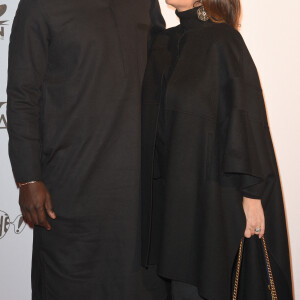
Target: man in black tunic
point(74, 79)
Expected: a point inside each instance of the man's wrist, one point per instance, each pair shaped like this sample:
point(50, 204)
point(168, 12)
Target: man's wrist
point(20, 184)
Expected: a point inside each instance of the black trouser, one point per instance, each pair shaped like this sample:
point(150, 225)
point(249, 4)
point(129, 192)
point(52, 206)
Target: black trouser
point(184, 291)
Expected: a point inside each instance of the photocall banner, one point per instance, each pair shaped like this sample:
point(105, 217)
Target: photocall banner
point(15, 235)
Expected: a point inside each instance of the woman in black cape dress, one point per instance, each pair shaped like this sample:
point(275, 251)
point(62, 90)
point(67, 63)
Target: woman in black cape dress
point(206, 144)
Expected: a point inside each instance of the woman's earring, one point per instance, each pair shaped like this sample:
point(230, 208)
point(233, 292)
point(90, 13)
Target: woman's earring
point(202, 14)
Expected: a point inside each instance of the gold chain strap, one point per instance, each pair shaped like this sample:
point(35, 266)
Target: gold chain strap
point(272, 284)
point(238, 269)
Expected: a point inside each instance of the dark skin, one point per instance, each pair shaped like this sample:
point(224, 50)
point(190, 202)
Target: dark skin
point(35, 202)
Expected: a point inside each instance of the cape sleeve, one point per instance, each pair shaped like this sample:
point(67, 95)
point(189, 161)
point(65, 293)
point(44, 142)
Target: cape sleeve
point(28, 51)
point(248, 155)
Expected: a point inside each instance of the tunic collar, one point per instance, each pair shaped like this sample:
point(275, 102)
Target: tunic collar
point(189, 18)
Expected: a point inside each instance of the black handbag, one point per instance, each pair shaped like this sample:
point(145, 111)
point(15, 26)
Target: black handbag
point(253, 278)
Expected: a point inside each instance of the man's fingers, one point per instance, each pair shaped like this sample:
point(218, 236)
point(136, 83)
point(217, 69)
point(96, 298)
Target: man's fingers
point(33, 216)
point(49, 207)
point(34, 200)
point(42, 219)
point(23, 214)
point(27, 217)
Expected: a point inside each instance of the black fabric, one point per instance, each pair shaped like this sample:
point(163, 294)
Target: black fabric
point(184, 291)
point(77, 260)
point(74, 86)
point(206, 144)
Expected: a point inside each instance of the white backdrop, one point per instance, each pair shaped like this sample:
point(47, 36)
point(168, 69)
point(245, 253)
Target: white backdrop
point(15, 248)
point(271, 31)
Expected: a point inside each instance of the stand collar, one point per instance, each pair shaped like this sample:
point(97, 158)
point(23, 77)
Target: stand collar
point(189, 18)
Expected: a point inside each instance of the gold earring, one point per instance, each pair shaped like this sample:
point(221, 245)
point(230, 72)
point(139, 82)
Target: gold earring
point(202, 14)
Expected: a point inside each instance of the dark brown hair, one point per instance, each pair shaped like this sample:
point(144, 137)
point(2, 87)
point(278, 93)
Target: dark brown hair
point(223, 11)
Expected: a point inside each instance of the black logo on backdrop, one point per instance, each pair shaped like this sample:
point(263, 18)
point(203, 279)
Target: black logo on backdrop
point(3, 122)
point(5, 224)
point(3, 8)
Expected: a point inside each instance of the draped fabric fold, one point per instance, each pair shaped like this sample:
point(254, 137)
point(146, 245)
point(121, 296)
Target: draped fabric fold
point(248, 154)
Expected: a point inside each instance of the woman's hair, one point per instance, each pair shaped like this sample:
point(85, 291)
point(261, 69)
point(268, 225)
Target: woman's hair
point(223, 11)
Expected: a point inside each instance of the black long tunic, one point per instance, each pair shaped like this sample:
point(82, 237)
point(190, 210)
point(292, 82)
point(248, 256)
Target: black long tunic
point(205, 145)
point(74, 84)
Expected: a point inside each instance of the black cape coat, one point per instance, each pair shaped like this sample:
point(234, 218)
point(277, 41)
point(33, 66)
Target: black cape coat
point(74, 85)
point(206, 144)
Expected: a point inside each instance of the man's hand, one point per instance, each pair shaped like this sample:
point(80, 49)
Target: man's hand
point(34, 201)
point(254, 216)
